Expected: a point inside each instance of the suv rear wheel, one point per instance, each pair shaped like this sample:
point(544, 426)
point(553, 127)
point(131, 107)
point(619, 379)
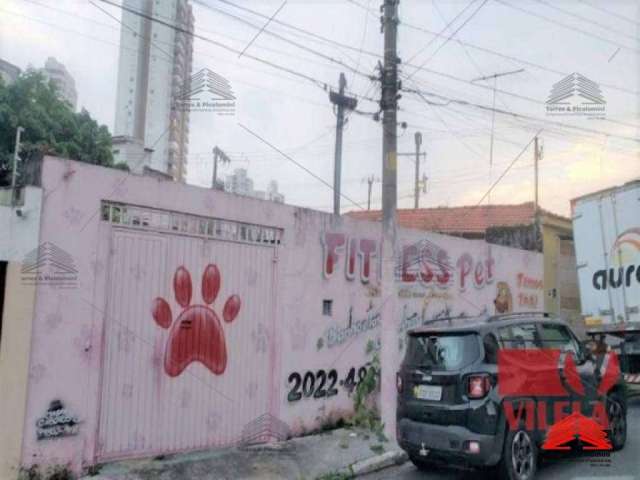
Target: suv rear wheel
point(617, 417)
point(519, 455)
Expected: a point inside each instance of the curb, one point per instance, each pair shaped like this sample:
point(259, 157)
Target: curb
point(373, 464)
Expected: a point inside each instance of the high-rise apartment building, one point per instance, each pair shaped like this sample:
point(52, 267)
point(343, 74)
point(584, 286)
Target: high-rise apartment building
point(62, 80)
point(154, 67)
point(241, 184)
point(8, 72)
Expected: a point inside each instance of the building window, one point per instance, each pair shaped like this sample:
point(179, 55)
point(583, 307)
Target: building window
point(327, 307)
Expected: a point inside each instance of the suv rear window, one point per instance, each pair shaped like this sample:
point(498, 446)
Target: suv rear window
point(442, 351)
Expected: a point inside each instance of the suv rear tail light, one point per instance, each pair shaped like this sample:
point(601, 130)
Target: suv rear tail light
point(478, 386)
point(399, 382)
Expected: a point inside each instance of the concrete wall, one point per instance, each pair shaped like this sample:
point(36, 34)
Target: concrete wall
point(310, 355)
point(560, 273)
point(19, 233)
point(18, 237)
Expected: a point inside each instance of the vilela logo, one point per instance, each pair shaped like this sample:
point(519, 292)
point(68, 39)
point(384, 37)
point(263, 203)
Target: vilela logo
point(576, 95)
point(206, 91)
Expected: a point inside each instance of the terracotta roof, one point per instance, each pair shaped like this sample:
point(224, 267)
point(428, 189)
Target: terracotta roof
point(470, 219)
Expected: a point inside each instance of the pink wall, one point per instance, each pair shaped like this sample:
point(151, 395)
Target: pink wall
point(279, 336)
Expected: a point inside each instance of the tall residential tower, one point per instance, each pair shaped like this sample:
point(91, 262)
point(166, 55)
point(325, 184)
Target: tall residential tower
point(154, 66)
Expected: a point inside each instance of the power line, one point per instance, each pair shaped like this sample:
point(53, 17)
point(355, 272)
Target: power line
point(320, 179)
point(609, 12)
point(512, 58)
point(96, 39)
point(148, 39)
point(473, 14)
point(448, 24)
point(318, 83)
point(448, 100)
point(301, 30)
point(585, 19)
point(506, 170)
point(170, 44)
point(263, 27)
point(505, 92)
point(282, 38)
point(568, 27)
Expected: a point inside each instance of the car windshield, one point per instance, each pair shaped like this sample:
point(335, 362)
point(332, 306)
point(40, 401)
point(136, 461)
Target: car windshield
point(442, 351)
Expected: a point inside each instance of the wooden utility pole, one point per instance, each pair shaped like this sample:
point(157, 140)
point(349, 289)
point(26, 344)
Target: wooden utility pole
point(218, 155)
point(389, 104)
point(342, 102)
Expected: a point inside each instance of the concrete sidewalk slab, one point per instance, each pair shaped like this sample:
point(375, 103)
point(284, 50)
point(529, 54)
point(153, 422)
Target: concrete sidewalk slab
point(344, 452)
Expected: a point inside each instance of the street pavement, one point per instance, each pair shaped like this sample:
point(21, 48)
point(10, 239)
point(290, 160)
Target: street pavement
point(624, 465)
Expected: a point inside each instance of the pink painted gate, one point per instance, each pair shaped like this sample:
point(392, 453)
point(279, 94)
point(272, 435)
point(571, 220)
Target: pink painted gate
point(188, 357)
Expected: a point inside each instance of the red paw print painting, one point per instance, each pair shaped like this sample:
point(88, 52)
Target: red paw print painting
point(197, 334)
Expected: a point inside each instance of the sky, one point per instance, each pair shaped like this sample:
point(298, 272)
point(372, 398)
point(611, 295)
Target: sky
point(549, 40)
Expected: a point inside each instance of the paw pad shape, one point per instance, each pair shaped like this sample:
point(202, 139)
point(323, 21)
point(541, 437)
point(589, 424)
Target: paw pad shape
point(196, 335)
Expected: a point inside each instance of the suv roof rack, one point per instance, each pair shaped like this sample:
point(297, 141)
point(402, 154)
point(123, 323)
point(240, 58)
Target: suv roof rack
point(506, 316)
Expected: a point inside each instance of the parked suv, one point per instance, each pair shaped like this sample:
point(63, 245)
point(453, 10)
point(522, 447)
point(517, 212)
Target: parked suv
point(450, 407)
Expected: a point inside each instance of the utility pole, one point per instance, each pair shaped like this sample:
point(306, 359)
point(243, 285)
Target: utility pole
point(342, 102)
point(416, 201)
point(537, 156)
point(389, 105)
point(218, 155)
point(16, 159)
point(370, 180)
point(418, 182)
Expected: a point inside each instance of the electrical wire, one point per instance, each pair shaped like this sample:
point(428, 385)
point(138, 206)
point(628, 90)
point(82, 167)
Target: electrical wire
point(282, 38)
point(320, 179)
point(473, 14)
point(422, 94)
point(568, 27)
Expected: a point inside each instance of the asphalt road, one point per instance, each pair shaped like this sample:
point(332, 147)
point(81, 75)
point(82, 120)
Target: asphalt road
point(624, 465)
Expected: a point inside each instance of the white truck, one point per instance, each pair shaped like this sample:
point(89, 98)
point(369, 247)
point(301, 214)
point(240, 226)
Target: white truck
point(606, 232)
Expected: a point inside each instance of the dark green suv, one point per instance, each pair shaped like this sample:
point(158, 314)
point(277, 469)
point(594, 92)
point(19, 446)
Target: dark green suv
point(451, 408)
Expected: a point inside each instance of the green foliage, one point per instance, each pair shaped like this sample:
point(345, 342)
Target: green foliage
point(50, 125)
point(377, 449)
point(366, 415)
point(335, 476)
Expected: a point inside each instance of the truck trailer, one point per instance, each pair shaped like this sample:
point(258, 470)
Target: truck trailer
point(606, 231)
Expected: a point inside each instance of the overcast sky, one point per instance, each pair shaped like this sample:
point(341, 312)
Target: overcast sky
point(549, 39)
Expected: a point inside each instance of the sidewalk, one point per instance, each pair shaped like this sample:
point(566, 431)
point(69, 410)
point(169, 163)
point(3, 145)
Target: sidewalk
point(331, 455)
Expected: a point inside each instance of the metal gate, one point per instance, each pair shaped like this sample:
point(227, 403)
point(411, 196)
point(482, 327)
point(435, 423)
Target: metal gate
point(167, 384)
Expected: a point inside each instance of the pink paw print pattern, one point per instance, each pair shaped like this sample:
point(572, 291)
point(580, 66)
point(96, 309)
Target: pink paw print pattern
point(197, 334)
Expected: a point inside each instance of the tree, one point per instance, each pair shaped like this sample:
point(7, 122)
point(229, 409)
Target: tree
point(50, 125)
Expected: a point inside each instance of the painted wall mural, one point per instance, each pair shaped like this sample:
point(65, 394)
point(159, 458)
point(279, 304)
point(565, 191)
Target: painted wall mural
point(359, 259)
point(504, 299)
point(337, 335)
point(531, 290)
point(57, 422)
point(197, 334)
point(427, 263)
